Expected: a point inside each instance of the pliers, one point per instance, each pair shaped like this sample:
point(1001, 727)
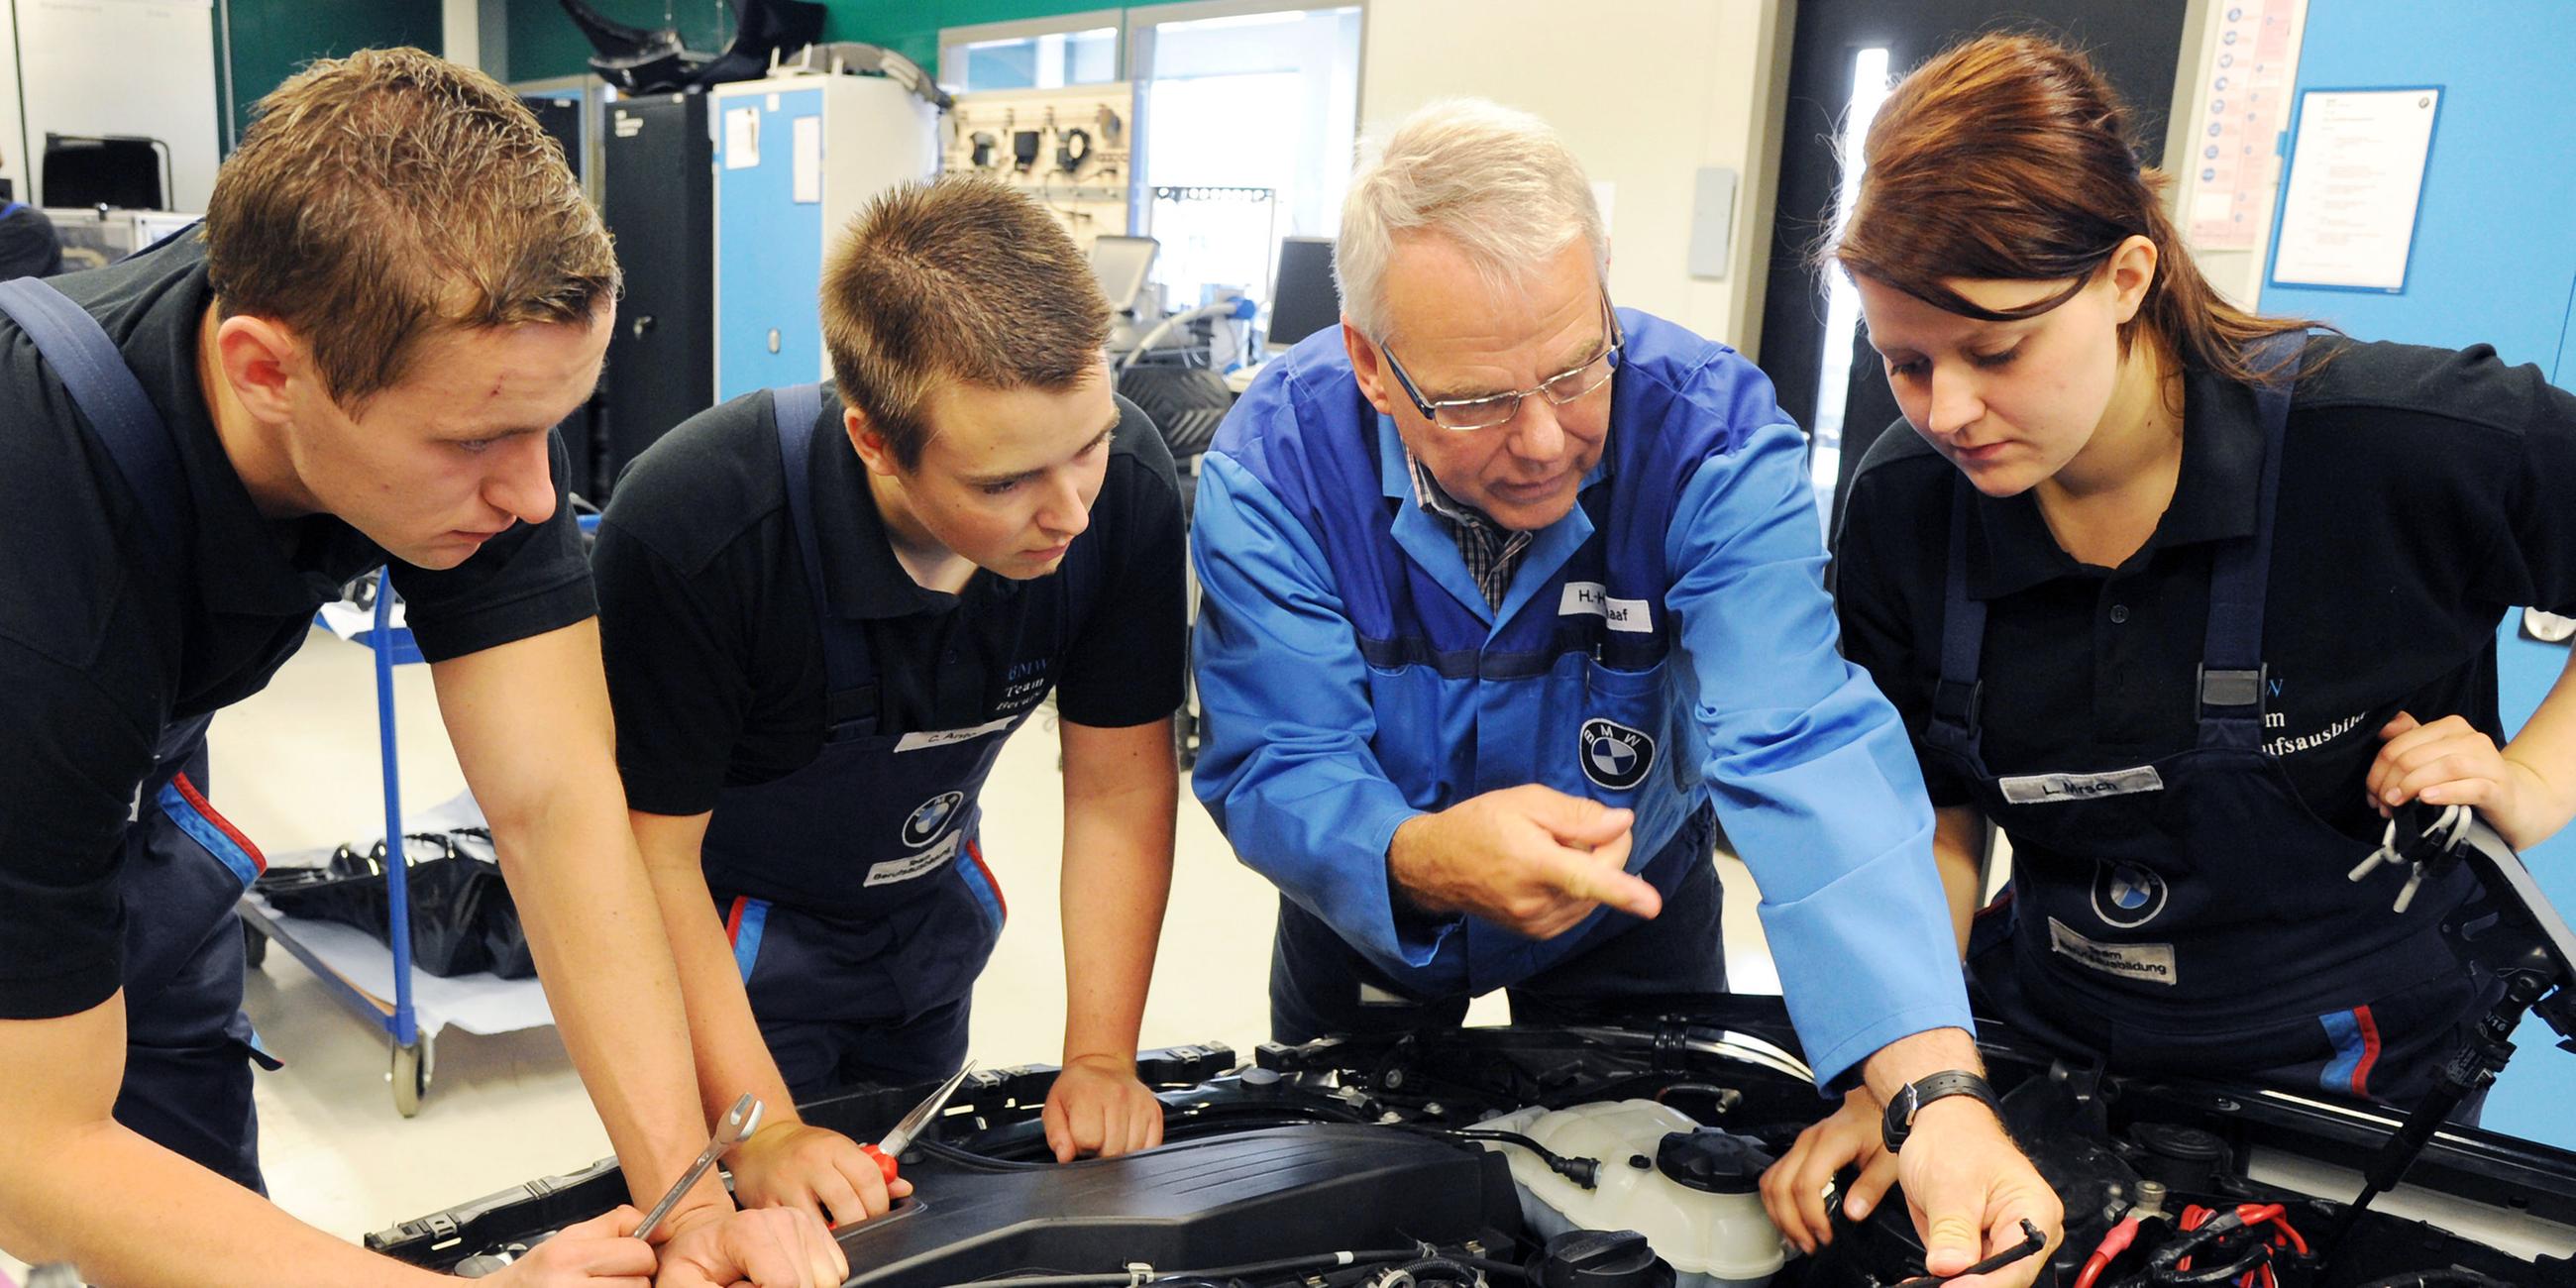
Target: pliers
point(886, 1151)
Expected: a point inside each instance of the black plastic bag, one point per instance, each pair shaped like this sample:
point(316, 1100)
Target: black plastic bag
point(462, 918)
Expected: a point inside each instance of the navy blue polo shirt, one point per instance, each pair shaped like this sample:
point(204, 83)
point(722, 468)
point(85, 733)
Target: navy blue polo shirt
point(105, 639)
point(715, 661)
point(2424, 493)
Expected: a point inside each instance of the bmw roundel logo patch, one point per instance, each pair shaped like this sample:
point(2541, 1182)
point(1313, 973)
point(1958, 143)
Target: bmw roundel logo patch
point(928, 821)
point(1614, 755)
point(2127, 896)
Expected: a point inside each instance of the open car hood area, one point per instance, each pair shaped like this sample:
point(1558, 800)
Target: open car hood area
point(1342, 1162)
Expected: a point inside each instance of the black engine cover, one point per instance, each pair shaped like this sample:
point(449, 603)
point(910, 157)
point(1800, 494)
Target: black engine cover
point(1195, 1205)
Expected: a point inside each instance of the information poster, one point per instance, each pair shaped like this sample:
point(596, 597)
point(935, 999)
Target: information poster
point(2244, 106)
point(2356, 178)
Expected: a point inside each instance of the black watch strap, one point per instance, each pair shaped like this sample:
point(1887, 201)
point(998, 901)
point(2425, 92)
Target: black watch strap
point(1910, 1099)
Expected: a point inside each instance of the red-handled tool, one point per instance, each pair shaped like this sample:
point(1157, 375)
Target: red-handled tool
point(900, 1139)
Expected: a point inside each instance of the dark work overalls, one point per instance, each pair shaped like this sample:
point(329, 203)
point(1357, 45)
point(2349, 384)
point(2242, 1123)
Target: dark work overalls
point(854, 892)
point(183, 868)
point(2193, 915)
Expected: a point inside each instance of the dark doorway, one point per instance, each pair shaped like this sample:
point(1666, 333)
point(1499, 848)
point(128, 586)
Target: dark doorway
point(2138, 45)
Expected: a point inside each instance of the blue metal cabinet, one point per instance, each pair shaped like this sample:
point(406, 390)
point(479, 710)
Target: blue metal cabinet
point(797, 159)
point(769, 247)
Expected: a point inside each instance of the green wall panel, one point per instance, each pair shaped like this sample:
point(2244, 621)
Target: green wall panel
point(272, 39)
point(912, 29)
point(544, 43)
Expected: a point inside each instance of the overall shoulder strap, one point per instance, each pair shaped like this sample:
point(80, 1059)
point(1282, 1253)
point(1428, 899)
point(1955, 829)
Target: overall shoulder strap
point(120, 414)
point(2231, 665)
point(1958, 697)
point(793, 412)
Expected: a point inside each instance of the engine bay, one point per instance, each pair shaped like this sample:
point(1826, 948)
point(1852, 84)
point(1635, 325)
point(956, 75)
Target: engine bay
point(1621, 1152)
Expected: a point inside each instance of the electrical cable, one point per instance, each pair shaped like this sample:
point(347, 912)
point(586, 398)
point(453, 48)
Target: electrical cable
point(2114, 1242)
point(1585, 1172)
point(2032, 1242)
point(2255, 1255)
point(2208, 1232)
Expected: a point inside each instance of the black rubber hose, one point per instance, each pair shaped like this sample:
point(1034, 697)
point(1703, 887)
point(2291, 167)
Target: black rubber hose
point(974, 1162)
point(981, 1162)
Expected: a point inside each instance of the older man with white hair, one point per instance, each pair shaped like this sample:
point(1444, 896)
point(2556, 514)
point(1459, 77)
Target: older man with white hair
point(1512, 597)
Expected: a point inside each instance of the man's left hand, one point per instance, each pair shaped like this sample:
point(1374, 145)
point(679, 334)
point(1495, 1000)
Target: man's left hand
point(1793, 1189)
point(2448, 762)
point(1098, 1107)
point(1969, 1190)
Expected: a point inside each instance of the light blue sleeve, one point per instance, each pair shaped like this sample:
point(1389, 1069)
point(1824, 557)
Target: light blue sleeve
point(1809, 766)
point(1285, 765)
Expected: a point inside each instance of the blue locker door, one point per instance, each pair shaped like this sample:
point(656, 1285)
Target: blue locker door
point(769, 251)
point(2493, 256)
point(2563, 374)
point(2532, 1098)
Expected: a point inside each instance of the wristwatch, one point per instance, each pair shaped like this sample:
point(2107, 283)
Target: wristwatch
point(1910, 1099)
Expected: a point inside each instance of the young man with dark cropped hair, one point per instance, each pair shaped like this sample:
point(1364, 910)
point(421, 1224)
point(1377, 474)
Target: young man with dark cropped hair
point(825, 608)
point(397, 291)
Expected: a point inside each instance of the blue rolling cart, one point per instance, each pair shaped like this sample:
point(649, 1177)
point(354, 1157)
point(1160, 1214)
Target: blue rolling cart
point(413, 1052)
point(413, 1059)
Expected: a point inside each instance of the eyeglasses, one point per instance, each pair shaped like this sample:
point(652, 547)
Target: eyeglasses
point(1464, 414)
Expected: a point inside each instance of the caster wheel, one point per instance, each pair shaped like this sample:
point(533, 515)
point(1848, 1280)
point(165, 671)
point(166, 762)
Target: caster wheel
point(410, 1075)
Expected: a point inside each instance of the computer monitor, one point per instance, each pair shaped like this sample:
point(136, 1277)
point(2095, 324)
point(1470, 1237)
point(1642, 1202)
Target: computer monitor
point(1305, 300)
point(1122, 264)
point(124, 171)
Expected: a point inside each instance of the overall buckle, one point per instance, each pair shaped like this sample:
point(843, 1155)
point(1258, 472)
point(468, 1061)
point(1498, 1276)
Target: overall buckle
point(1959, 704)
point(2231, 692)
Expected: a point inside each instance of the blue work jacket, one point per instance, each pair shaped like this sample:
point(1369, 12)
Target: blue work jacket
point(1668, 643)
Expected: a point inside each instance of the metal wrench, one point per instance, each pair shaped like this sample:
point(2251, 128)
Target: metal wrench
point(740, 1121)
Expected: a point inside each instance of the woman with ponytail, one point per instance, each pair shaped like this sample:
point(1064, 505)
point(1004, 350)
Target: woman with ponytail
point(2184, 599)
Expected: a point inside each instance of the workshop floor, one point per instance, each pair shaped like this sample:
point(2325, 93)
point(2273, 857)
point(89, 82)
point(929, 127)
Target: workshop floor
point(296, 767)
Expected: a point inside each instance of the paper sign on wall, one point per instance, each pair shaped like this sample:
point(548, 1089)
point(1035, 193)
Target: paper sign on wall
point(742, 138)
point(808, 151)
point(2356, 178)
point(2245, 104)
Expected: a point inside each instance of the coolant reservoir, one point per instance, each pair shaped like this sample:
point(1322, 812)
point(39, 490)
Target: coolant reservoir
point(1696, 1197)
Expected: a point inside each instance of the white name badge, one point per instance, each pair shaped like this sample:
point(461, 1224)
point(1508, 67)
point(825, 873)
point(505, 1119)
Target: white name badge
point(2039, 789)
point(1593, 599)
point(948, 737)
